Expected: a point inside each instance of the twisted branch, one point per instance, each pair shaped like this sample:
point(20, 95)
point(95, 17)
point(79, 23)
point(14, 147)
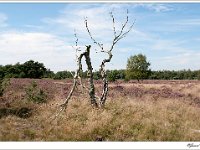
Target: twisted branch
point(116, 38)
point(95, 42)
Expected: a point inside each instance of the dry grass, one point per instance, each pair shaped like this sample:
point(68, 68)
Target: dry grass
point(125, 118)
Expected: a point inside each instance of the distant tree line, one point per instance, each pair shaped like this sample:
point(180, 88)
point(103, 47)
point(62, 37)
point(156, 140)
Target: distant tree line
point(32, 69)
point(175, 75)
point(29, 69)
point(157, 75)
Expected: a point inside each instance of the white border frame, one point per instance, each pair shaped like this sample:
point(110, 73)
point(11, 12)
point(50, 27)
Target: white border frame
point(100, 145)
point(99, 1)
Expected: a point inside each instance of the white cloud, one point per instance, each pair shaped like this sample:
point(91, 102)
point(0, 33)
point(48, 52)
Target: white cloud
point(189, 60)
point(187, 22)
point(176, 25)
point(3, 19)
point(49, 49)
point(154, 7)
point(100, 24)
point(99, 21)
point(56, 53)
point(33, 27)
point(167, 45)
point(29, 42)
point(158, 7)
point(75, 18)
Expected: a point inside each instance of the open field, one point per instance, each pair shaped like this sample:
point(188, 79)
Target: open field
point(149, 111)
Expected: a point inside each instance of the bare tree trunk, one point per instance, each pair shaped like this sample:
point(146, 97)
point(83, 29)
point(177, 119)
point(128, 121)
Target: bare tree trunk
point(86, 54)
point(91, 90)
point(76, 76)
point(117, 37)
point(90, 75)
point(105, 81)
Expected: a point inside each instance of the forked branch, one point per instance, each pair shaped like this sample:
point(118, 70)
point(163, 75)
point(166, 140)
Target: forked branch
point(124, 30)
point(117, 36)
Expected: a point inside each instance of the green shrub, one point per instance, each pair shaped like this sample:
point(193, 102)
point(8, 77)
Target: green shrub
point(137, 67)
point(1, 89)
point(198, 76)
point(126, 79)
point(30, 134)
point(111, 77)
point(3, 84)
point(35, 94)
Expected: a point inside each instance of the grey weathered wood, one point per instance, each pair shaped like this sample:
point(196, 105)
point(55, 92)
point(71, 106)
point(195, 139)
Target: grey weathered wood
point(86, 54)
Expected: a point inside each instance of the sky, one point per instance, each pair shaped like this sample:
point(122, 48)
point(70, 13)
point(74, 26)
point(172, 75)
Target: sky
point(167, 33)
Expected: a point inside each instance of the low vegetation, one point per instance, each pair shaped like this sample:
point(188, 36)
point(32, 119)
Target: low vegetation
point(37, 104)
point(1, 88)
point(3, 84)
point(35, 94)
point(19, 71)
point(150, 111)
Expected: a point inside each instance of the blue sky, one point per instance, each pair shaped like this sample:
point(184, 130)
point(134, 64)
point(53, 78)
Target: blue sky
point(168, 33)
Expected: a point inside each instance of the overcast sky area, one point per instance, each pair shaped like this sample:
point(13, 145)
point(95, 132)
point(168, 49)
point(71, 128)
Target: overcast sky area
point(168, 34)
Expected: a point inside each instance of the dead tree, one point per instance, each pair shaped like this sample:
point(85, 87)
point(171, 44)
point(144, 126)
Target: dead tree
point(94, 99)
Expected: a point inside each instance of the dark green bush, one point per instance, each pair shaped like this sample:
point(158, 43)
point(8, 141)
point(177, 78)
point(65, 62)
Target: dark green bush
point(1, 89)
point(111, 77)
point(137, 67)
point(35, 94)
point(3, 84)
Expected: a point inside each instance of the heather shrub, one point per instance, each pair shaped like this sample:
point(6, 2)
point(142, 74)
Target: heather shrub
point(35, 94)
point(198, 76)
point(3, 84)
point(1, 89)
point(111, 77)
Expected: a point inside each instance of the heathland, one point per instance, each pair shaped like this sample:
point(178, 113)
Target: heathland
point(150, 110)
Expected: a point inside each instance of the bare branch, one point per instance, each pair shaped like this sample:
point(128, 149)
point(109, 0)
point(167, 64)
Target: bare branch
point(64, 105)
point(76, 38)
point(113, 20)
point(117, 37)
point(122, 33)
point(76, 43)
point(125, 33)
point(95, 42)
point(77, 76)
